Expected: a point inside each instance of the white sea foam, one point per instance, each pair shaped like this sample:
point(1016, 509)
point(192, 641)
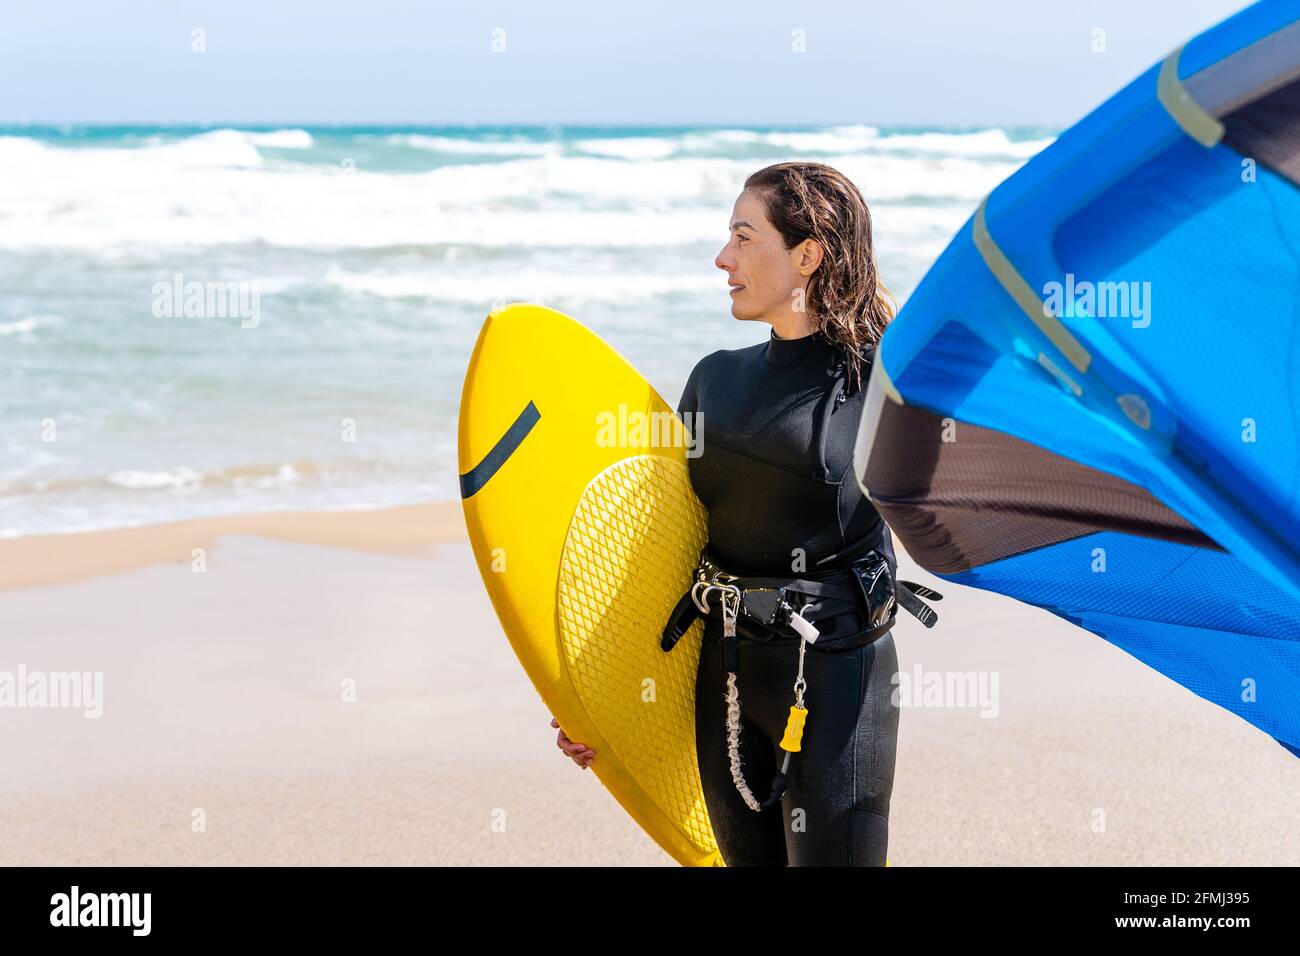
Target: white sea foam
point(285, 474)
point(977, 144)
point(529, 285)
point(462, 146)
point(639, 147)
point(152, 480)
point(29, 324)
point(212, 189)
point(283, 139)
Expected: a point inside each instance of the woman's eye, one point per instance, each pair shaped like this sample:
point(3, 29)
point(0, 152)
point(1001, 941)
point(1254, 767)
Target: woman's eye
point(743, 238)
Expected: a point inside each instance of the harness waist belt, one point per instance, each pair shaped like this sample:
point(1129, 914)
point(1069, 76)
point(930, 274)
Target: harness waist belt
point(867, 585)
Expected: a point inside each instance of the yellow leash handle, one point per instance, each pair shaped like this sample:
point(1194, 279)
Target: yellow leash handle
point(794, 729)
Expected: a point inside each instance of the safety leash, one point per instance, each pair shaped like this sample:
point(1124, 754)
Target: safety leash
point(791, 741)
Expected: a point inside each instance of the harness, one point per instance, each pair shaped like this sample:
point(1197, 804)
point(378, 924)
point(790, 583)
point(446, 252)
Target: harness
point(789, 606)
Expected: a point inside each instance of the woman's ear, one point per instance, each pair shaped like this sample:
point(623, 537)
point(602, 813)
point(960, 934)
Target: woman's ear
point(810, 256)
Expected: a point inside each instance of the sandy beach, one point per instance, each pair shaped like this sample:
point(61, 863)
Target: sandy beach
point(334, 688)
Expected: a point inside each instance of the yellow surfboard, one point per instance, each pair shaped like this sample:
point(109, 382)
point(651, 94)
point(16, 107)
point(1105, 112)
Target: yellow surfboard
point(582, 520)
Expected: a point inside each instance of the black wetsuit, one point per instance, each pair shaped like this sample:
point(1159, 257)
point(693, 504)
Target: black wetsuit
point(777, 423)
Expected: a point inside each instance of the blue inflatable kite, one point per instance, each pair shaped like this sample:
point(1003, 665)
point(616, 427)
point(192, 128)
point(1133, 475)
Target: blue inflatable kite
point(1092, 401)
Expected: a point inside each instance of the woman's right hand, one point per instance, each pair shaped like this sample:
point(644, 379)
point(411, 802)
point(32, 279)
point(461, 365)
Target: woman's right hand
point(581, 754)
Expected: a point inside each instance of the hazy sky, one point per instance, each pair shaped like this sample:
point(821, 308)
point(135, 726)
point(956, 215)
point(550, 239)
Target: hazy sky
point(657, 61)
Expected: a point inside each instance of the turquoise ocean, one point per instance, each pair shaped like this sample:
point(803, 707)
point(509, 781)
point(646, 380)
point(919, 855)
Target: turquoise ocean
point(363, 261)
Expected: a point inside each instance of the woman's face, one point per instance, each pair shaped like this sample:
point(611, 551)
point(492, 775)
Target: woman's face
point(764, 275)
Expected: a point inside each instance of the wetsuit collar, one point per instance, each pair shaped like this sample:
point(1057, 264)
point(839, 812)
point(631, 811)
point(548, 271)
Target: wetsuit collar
point(788, 351)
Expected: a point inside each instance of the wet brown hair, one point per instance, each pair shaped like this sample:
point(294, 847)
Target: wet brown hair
point(846, 299)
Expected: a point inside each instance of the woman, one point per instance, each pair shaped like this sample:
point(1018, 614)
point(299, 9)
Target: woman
point(778, 422)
